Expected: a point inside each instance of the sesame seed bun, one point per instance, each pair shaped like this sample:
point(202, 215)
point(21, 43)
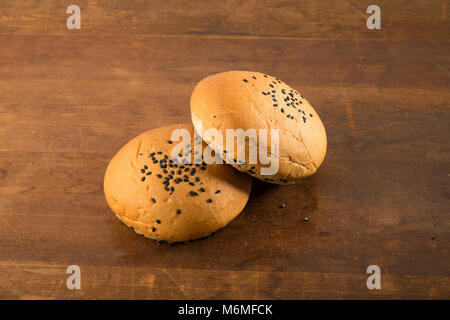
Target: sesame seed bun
point(166, 200)
point(252, 100)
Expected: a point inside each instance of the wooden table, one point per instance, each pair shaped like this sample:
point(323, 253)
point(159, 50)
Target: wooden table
point(69, 99)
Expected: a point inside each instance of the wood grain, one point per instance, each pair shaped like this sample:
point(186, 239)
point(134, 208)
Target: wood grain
point(71, 99)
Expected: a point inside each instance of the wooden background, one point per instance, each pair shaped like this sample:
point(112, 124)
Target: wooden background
point(70, 99)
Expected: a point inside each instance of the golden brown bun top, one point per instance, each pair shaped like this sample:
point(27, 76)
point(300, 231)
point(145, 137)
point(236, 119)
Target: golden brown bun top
point(197, 200)
point(244, 99)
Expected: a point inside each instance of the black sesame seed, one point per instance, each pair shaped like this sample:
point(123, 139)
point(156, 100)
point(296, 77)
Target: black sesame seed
point(158, 221)
point(153, 200)
point(153, 229)
point(178, 211)
point(159, 176)
point(143, 179)
point(271, 85)
point(172, 189)
point(202, 168)
point(218, 191)
point(142, 170)
point(197, 179)
point(202, 189)
point(159, 152)
point(304, 119)
point(145, 167)
point(275, 105)
point(193, 193)
point(209, 200)
point(191, 183)
point(169, 142)
point(254, 77)
point(245, 80)
point(311, 115)
point(282, 110)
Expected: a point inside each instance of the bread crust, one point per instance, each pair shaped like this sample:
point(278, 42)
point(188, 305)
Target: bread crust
point(245, 100)
point(142, 201)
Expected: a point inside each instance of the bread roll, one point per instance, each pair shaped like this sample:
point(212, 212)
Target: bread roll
point(252, 100)
point(166, 200)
